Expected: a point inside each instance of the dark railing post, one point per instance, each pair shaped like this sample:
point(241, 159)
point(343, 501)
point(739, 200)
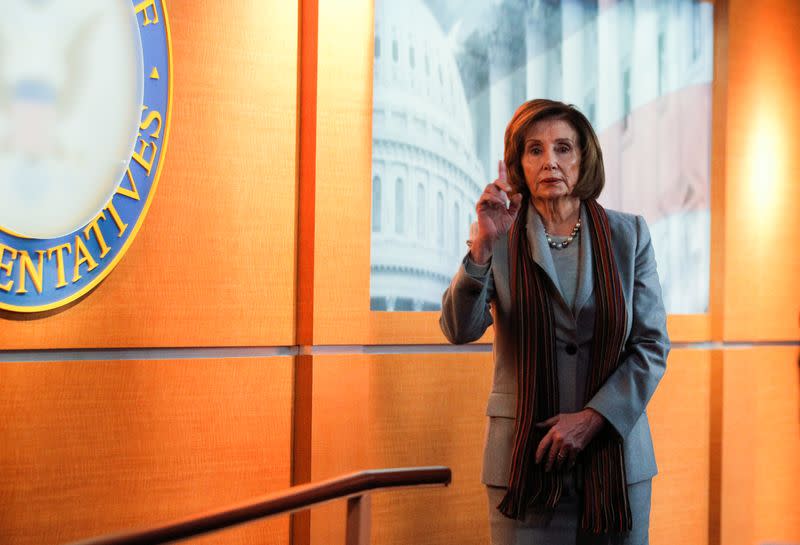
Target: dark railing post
point(359, 515)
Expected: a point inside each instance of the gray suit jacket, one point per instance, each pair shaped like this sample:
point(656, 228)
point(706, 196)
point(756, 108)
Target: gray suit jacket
point(622, 399)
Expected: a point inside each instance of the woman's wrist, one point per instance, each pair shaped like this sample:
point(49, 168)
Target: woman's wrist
point(596, 420)
point(480, 252)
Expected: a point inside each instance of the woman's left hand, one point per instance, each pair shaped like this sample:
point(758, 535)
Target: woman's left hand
point(568, 435)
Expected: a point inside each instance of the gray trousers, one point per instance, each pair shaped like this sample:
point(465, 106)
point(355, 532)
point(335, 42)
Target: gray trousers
point(563, 528)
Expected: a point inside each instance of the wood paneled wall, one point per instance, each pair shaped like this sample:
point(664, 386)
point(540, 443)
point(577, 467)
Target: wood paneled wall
point(92, 446)
point(760, 447)
point(762, 166)
point(88, 447)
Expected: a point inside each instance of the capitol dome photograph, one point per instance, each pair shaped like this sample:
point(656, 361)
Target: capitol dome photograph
point(447, 78)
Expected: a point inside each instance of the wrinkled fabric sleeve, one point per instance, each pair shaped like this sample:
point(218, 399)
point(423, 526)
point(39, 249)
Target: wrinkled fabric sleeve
point(624, 396)
point(465, 305)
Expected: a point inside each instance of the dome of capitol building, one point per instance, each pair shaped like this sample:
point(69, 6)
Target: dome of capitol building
point(425, 175)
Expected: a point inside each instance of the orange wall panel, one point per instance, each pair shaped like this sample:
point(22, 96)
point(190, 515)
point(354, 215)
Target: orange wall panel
point(398, 411)
point(760, 446)
point(429, 410)
point(93, 447)
point(340, 436)
point(689, 327)
point(214, 262)
point(762, 224)
point(344, 147)
point(679, 415)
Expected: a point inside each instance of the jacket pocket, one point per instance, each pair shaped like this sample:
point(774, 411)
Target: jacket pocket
point(497, 451)
point(501, 404)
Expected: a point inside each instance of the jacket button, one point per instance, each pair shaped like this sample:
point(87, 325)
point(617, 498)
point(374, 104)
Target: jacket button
point(571, 349)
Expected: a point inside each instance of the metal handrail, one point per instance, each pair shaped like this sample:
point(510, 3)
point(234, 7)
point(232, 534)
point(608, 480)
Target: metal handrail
point(296, 498)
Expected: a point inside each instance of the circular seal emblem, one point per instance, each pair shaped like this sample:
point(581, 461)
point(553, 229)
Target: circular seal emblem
point(83, 129)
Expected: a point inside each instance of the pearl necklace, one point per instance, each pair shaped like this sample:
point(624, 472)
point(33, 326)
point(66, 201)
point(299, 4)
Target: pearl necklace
point(564, 244)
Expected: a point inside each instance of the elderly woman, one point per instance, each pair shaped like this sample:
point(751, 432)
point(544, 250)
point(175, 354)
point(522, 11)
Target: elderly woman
point(580, 339)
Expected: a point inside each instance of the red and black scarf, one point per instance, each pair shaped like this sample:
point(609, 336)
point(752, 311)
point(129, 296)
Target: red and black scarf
point(606, 508)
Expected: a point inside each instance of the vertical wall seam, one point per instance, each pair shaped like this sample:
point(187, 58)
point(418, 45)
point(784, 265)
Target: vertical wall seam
point(718, 182)
point(302, 370)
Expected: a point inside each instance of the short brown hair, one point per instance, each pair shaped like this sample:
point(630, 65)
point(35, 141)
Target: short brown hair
point(592, 176)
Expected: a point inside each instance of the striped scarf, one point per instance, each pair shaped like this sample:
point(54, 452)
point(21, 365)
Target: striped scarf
point(606, 509)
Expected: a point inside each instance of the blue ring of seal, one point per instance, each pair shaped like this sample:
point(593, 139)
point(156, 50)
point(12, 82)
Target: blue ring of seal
point(39, 274)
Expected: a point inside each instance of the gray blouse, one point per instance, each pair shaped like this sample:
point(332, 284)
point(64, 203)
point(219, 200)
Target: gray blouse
point(566, 263)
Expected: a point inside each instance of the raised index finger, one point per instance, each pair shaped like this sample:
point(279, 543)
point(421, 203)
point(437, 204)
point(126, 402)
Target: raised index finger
point(502, 177)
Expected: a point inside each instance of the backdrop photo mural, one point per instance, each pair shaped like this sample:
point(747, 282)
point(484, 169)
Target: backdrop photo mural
point(448, 76)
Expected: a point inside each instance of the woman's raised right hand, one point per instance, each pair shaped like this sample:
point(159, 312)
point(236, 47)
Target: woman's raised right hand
point(496, 213)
